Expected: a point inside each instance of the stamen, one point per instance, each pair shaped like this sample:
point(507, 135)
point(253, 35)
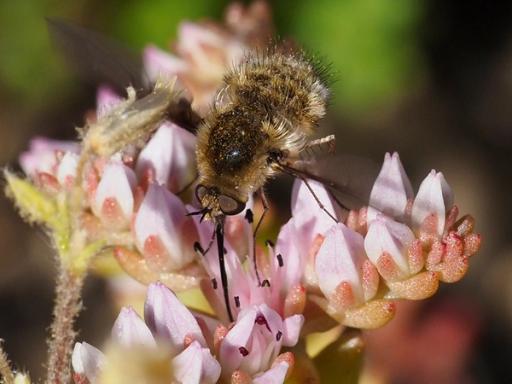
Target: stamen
point(198, 248)
point(249, 216)
point(243, 351)
point(214, 283)
point(265, 283)
point(269, 243)
point(279, 335)
point(280, 261)
point(237, 301)
point(260, 319)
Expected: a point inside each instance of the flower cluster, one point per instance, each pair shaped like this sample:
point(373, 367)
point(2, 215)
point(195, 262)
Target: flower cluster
point(133, 201)
point(248, 352)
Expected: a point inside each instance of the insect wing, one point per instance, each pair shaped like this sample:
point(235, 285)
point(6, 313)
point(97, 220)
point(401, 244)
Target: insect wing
point(102, 60)
point(349, 178)
point(98, 58)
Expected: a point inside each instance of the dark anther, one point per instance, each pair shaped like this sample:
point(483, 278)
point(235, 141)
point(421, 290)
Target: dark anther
point(198, 248)
point(214, 283)
point(243, 351)
point(265, 283)
point(225, 251)
point(279, 334)
point(269, 243)
point(249, 216)
point(280, 261)
point(237, 301)
point(260, 319)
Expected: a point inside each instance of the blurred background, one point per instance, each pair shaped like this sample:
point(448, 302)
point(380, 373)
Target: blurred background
point(429, 79)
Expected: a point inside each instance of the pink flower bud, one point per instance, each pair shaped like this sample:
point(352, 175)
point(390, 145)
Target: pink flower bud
point(433, 200)
point(169, 156)
point(113, 200)
point(388, 236)
point(129, 329)
point(163, 232)
point(169, 319)
point(340, 260)
point(392, 189)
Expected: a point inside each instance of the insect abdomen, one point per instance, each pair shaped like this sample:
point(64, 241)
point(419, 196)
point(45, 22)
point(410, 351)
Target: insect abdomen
point(285, 86)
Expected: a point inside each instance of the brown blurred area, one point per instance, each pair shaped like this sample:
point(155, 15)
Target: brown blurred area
point(457, 118)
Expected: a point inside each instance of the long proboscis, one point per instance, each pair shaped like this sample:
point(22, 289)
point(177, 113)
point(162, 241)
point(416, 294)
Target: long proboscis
point(219, 233)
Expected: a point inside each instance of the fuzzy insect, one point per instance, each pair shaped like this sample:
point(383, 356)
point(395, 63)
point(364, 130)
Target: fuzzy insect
point(261, 123)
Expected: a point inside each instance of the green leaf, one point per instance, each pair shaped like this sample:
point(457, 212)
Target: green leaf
point(34, 205)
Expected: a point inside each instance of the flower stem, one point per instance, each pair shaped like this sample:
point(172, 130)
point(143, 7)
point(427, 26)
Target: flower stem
point(67, 306)
point(5, 369)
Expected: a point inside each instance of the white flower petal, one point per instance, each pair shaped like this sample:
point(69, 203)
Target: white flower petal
point(289, 245)
point(161, 65)
point(187, 366)
point(434, 197)
point(169, 318)
point(171, 155)
point(162, 214)
point(67, 167)
point(238, 336)
point(275, 375)
point(291, 330)
point(386, 235)
point(117, 182)
point(339, 259)
point(392, 188)
point(87, 360)
point(309, 219)
point(129, 329)
point(106, 99)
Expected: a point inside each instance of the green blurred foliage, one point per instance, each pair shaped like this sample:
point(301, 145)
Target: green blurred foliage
point(29, 68)
point(369, 43)
point(140, 22)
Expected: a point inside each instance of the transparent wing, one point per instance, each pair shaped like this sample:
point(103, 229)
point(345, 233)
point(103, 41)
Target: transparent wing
point(349, 178)
point(98, 58)
point(104, 61)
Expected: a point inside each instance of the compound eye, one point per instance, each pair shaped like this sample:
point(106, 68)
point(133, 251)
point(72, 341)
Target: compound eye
point(230, 206)
point(201, 192)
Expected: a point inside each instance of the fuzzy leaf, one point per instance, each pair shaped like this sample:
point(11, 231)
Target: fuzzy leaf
point(35, 206)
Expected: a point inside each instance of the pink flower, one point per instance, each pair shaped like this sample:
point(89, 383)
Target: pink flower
point(163, 232)
point(51, 163)
point(251, 347)
point(280, 271)
point(433, 202)
point(339, 263)
point(113, 200)
point(254, 342)
point(43, 155)
point(204, 54)
point(106, 99)
point(169, 157)
point(169, 322)
point(386, 236)
point(392, 190)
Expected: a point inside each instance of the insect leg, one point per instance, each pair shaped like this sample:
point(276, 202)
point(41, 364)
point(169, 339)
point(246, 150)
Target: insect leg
point(325, 144)
point(264, 202)
point(295, 173)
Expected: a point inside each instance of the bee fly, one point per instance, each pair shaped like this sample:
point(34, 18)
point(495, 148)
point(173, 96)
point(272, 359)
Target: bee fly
point(261, 123)
point(262, 120)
